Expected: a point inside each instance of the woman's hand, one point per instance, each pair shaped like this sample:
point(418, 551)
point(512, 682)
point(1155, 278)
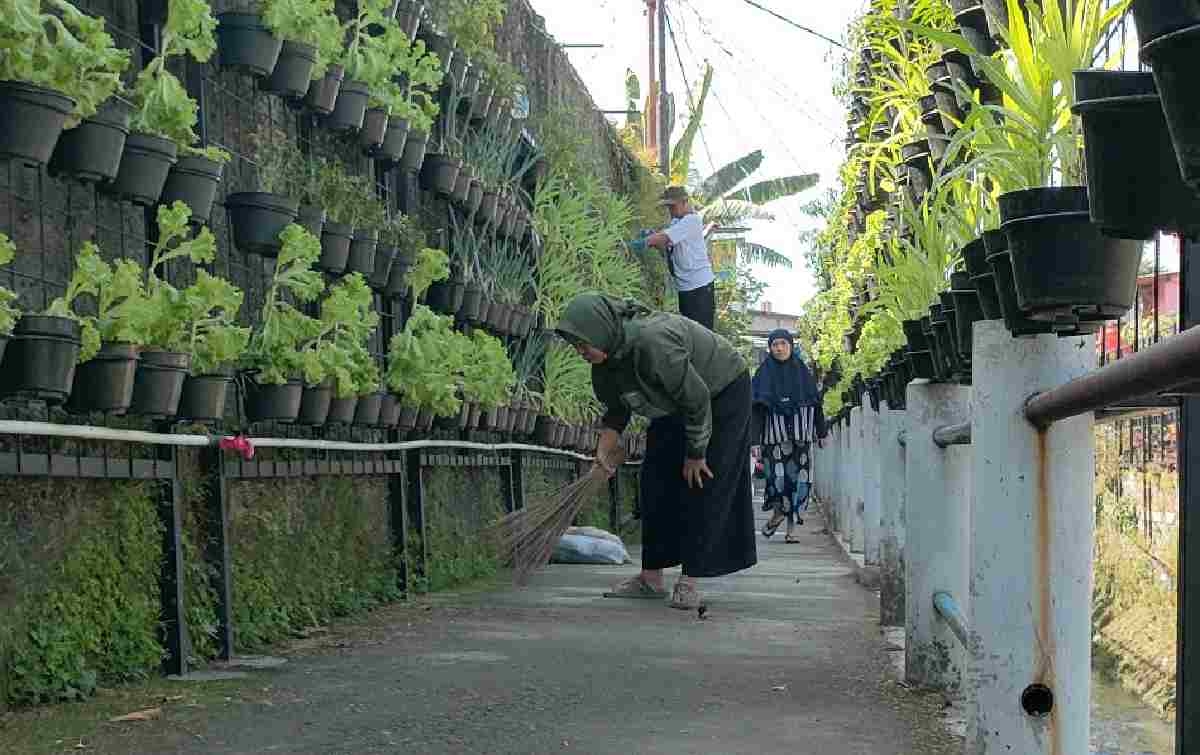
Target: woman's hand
point(694, 471)
point(609, 454)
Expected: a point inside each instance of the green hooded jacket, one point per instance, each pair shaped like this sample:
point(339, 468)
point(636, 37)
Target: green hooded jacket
point(658, 364)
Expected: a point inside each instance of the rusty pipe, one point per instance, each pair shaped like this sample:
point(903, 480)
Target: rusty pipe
point(952, 435)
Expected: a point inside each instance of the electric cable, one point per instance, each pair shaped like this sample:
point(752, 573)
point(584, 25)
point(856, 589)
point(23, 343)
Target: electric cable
point(691, 104)
point(799, 26)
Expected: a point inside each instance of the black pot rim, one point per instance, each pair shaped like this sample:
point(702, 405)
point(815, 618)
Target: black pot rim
point(46, 326)
point(263, 200)
point(1156, 45)
point(167, 360)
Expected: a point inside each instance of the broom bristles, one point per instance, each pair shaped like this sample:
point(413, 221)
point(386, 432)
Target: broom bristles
point(526, 538)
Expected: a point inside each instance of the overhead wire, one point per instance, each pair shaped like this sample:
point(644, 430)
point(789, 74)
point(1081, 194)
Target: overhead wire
point(691, 103)
point(796, 24)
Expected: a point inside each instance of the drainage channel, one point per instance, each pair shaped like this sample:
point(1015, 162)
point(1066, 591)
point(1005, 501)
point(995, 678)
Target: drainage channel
point(1123, 725)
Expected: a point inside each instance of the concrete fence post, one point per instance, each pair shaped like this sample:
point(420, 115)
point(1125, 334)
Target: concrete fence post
point(1031, 565)
point(938, 534)
point(872, 503)
point(892, 499)
point(839, 493)
point(854, 513)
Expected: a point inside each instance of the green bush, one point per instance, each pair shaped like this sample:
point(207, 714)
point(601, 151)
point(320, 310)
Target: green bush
point(460, 504)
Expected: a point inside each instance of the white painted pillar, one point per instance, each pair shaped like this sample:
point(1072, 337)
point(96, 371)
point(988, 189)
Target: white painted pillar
point(839, 494)
point(938, 534)
point(854, 521)
point(1031, 566)
point(872, 503)
point(892, 499)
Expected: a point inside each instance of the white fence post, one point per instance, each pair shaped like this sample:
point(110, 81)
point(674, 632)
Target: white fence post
point(892, 537)
point(854, 519)
point(1032, 553)
point(938, 533)
point(872, 505)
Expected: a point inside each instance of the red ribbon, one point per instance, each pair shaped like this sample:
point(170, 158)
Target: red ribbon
point(238, 444)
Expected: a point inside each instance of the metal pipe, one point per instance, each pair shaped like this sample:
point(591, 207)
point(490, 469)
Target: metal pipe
point(952, 435)
point(1165, 365)
point(947, 608)
point(89, 432)
point(902, 438)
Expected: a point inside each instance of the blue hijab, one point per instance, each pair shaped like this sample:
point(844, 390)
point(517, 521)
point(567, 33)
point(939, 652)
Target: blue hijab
point(784, 387)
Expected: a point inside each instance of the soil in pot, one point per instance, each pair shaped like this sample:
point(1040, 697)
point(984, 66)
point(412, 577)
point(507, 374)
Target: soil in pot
point(984, 280)
point(394, 140)
point(996, 244)
point(350, 108)
point(366, 414)
point(389, 411)
point(335, 247)
point(362, 252)
point(374, 129)
point(382, 267)
point(244, 43)
point(145, 163)
point(270, 402)
point(414, 151)
point(341, 410)
point(1173, 57)
point(440, 173)
point(39, 360)
point(1134, 184)
point(194, 181)
point(293, 71)
point(204, 396)
point(31, 120)
point(257, 218)
point(91, 151)
point(158, 385)
point(311, 219)
point(1064, 269)
point(323, 92)
point(104, 383)
point(314, 404)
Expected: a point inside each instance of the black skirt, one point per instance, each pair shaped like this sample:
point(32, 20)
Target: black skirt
point(709, 530)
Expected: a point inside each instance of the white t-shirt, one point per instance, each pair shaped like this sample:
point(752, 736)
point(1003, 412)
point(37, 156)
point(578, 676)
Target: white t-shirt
point(693, 269)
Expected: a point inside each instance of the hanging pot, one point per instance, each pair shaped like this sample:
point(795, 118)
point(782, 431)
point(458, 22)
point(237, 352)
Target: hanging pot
point(271, 402)
point(458, 291)
point(362, 251)
point(996, 244)
point(312, 219)
point(414, 151)
point(394, 139)
point(245, 44)
point(458, 70)
point(474, 197)
point(462, 187)
point(997, 16)
point(947, 349)
point(470, 88)
point(961, 363)
point(943, 93)
point(440, 172)
point(520, 225)
point(257, 218)
point(193, 180)
point(1134, 185)
point(1063, 268)
point(966, 311)
point(314, 403)
point(485, 311)
point(920, 173)
point(366, 414)
point(440, 297)
point(39, 361)
point(1173, 57)
point(973, 25)
point(472, 298)
point(935, 134)
point(958, 67)
point(292, 74)
point(374, 129)
point(408, 17)
point(335, 247)
point(408, 418)
point(425, 420)
point(1157, 18)
point(464, 415)
point(487, 208)
point(441, 45)
point(31, 120)
point(91, 151)
point(203, 398)
point(350, 108)
point(341, 410)
point(158, 384)
point(481, 105)
point(938, 361)
point(982, 278)
point(104, 383)
point(511, 420)
point(397, 282)
point(145, 163)
point(382, 267)
point(389, 411)
point(323, 92)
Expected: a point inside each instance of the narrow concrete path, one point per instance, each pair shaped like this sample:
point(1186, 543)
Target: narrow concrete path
point(788, 660)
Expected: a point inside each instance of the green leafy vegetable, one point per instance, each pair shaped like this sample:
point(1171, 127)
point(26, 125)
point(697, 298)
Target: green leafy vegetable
point(309, 22)
point(9, 313)
point(425, 362)
point(432, 265)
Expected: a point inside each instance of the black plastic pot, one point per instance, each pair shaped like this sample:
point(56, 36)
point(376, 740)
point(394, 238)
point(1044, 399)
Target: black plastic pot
point(362, 251)
point(194, 181)
point(293, 70)
point(104, 383)
point(458, 70)
point(958, 66)
point(145, 163)
point(440, 297)
point(382, 267)
point(350, 108)
point(257, 218)
point(31, 120)
point(1173, 57)
point(408, 17)
point(366, 414)
point(158, 385)
point(462, 188)
point(940, 369)
point(934, 133)
point(984, 280)
point(474, 197)
point(947, 349)
point(440, 172)
point(323, 93)
point(203, 398)
point(443, 46)
point(335, 247)
point(244, 43)
point(972, 23)
point(311, 218)
point(389, 411)
point(1134, 185)
point(270, 402)
point(943, 93)
point(487, 207)
point(314, 404)
point(397, 282)
point(374, 129)
point(1064, 269)
point(92, 150)
point(414, 151)
point(961, 362)
point(341, 410)
point(394, 140)
point(996, 244)
point(407, 421)
point(472, 298)
point(1156, 18)
point(39, 360)
point(967, 311)
point(997, 16)
point(920, 171)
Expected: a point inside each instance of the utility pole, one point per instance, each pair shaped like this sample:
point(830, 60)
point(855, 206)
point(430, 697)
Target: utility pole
point(652, 120)
point(664, 134)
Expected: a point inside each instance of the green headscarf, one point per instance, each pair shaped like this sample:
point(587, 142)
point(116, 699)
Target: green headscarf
point(599, 320)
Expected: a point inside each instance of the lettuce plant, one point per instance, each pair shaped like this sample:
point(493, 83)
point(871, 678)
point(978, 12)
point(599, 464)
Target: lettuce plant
point(425, 362)
point(309, 22)
point(432, 265)
point(117, 291)
point(9, 313)
point(487, 376)
point(347, 321)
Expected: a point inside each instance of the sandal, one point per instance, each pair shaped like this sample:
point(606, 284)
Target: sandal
point(791, 539)
point(636, 587)
point(771, 527)
point(685, 597)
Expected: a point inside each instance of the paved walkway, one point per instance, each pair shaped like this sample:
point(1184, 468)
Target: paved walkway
point(788, 660)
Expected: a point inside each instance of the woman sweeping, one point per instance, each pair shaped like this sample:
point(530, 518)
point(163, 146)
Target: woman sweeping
point(695, 485)
point(787, 420)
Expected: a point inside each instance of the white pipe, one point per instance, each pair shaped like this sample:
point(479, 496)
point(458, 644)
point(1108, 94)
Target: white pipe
point(90, 432)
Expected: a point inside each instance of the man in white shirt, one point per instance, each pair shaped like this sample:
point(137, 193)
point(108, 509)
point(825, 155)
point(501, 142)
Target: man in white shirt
point(687, 257)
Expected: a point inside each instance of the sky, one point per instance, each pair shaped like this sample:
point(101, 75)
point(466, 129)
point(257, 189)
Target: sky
point(772, 90)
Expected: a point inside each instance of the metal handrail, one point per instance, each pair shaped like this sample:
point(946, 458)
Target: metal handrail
point(952, 435)
point(947, 608)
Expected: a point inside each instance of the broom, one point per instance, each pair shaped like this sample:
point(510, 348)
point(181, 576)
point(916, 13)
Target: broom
point(528, 536)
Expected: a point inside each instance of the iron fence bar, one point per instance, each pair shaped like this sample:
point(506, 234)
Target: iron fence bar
point(217, 546)
point(952, 435)
point(173, 624)
point(947, 608)
point(1187, 679)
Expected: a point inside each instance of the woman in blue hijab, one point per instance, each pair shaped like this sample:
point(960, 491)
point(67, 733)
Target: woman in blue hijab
point(787, 408)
